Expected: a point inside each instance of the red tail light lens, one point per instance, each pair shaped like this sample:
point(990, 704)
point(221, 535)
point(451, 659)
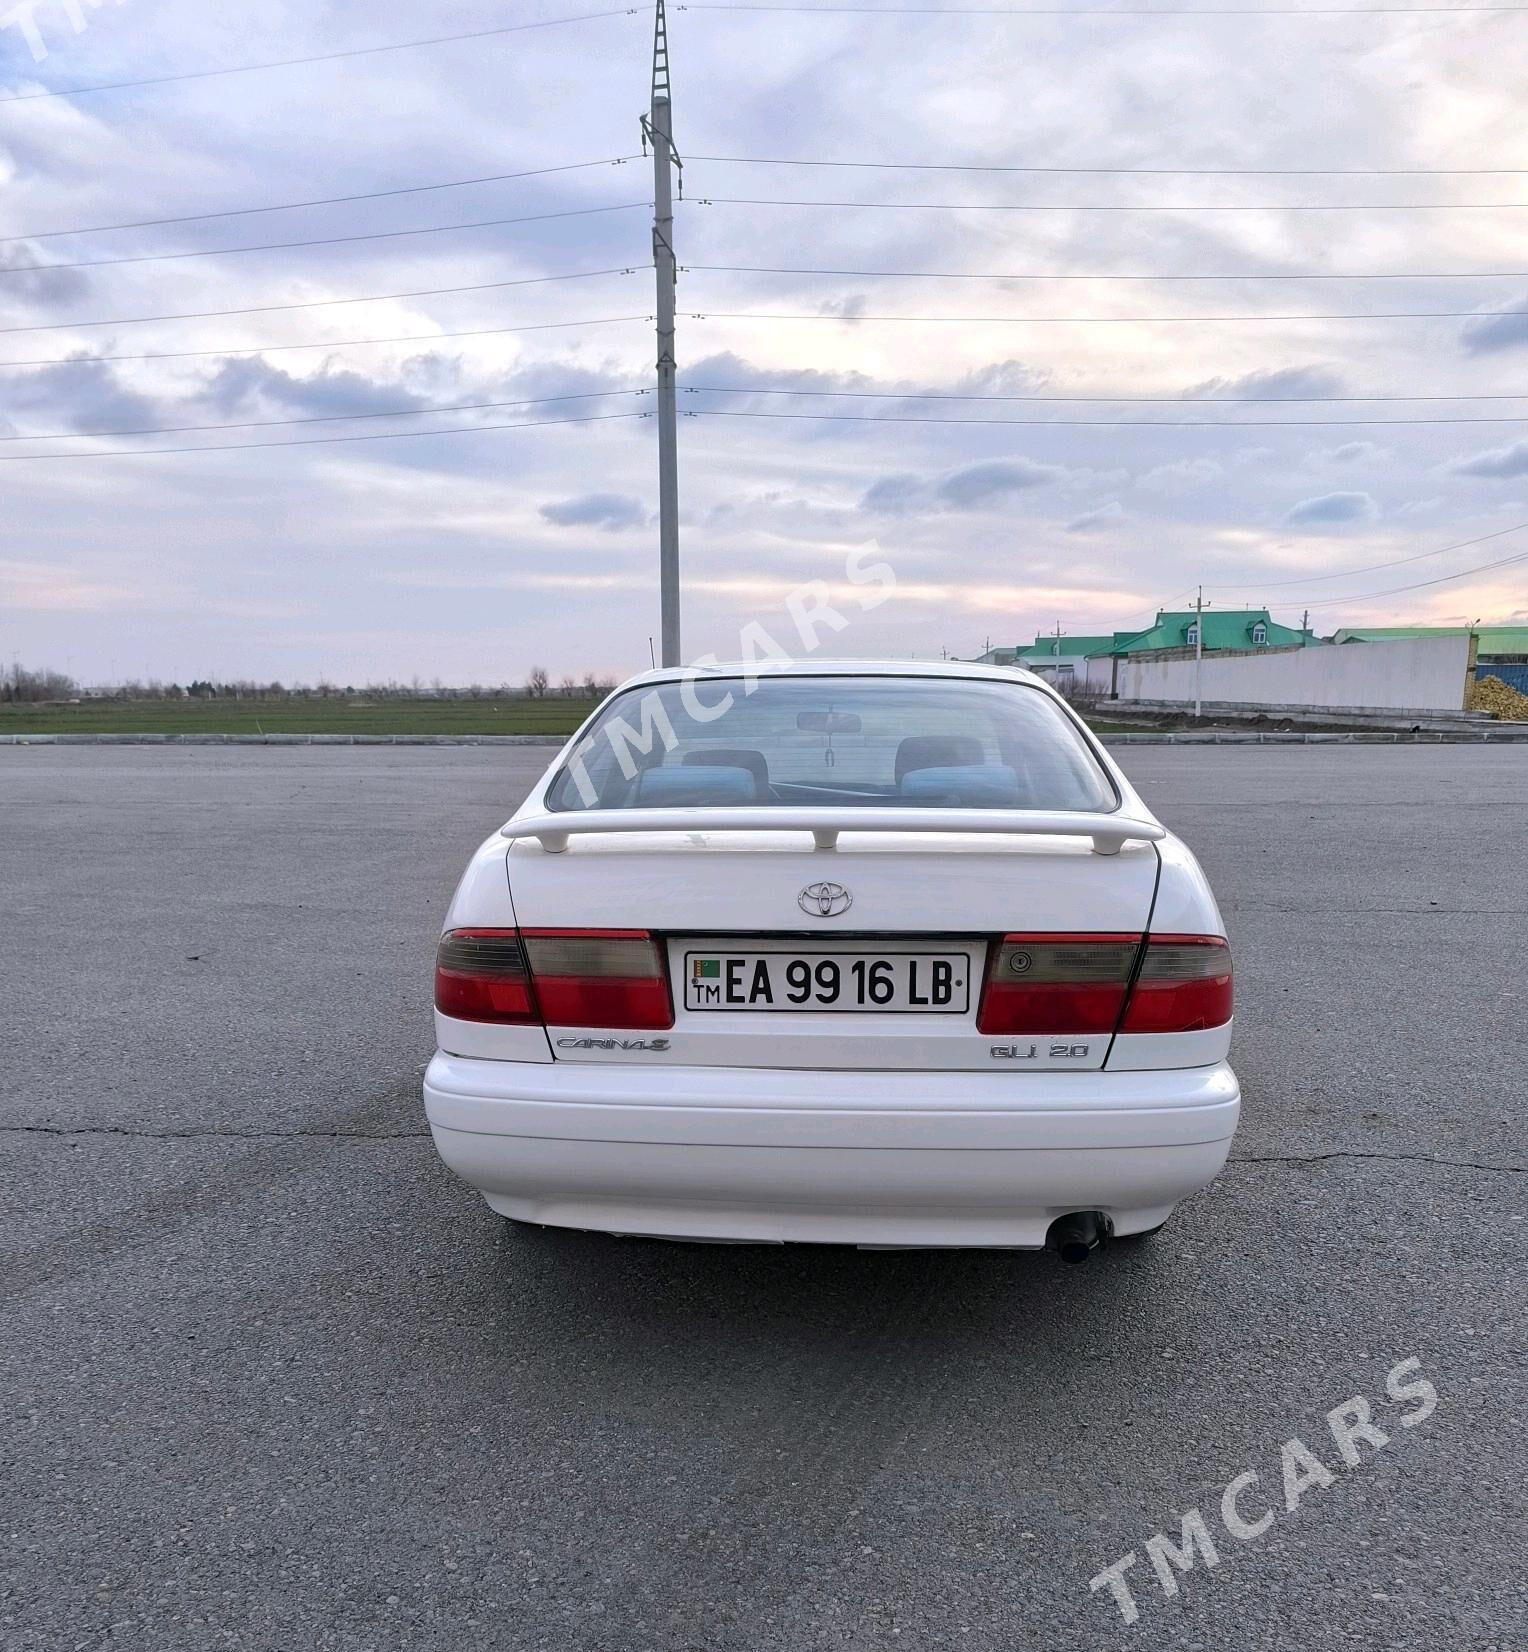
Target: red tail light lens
point(1057, 983)
point(1184, 985)
point(480, 975)
point(563, 977)
point(599, 978)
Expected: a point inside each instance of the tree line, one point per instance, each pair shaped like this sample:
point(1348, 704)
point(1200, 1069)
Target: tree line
point(538, 686)
point(20, 684)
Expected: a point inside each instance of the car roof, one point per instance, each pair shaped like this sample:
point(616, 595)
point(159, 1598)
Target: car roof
point(966, 670)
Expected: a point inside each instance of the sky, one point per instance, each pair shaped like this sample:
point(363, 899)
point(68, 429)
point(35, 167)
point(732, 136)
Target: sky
point(299, 553)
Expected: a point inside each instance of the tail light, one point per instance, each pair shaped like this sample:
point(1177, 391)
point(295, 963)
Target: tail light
point(1184, 985)
point(561, 977)
point(599, 978)
point(1057, 983)
point(1082, 984)
point(480, 975)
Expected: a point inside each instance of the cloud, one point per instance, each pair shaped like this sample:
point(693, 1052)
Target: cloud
point(984, 484)
point(59, 588)
point(1182, 476)
point(564, 378)
point(726, 367)
point(23, 275)
point(892, 495)
point(971, 488)
point(84, 394)
point(1277, 384)
point(1002, 378)
point(419, 382)
point(1106, 516)
point(1498, 462)
point(331, 392)
point(1332, 509)
point(611, 511)
point(1506, 330)
point(1351, 453)
point(326, 525)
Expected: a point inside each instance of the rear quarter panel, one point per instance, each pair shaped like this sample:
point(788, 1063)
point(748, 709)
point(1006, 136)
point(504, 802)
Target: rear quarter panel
point(1185, 905)
point(483, 901)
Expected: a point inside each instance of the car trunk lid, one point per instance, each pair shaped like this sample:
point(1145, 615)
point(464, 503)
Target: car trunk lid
point(754, 927)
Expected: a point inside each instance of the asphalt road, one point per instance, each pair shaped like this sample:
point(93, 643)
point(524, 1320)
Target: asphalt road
point(273, 1379)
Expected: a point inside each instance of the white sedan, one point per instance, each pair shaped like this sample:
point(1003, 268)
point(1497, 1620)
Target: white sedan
point(878, 954)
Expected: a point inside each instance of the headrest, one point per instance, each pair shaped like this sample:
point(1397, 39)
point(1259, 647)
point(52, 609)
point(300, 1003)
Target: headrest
point(689, 787)
point(977, 785)
point(937, 751)
point(737, 758)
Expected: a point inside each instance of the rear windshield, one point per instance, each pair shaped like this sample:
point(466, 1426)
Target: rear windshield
point(926, 742)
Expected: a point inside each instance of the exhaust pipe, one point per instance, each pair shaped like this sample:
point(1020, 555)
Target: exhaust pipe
point(1075, 1236)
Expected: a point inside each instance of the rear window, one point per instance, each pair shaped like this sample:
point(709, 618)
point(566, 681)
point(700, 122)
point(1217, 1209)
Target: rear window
point(926, 742)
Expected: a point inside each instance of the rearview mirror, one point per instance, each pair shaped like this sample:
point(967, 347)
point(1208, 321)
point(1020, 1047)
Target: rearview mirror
point(829, 722)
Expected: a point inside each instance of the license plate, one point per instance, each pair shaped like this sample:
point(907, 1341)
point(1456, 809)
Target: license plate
point(903, 983)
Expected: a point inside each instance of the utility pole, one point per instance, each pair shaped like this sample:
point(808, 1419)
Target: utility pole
point(1056, 651)
point(658, 128)
point(1198, 651)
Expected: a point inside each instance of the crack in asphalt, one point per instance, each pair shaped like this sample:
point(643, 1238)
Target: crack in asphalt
point(1395, 1158)
point(1381, 911)
point(208, 1135)
point(413, 1135)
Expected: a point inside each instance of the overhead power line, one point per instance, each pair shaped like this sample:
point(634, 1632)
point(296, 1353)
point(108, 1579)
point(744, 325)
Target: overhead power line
point(322, 241)
point(316, 441)
point(1172, 401)
point(1235, 275)
point(1127, 171)
point(1104, 15)
point(323, 200)
point(1086, 206)
point(323, 344)
point(321, 303)
point(742, 160)
point(1418, 585)
point(315, 57)
point(312, 418)
point(1089, 424)
point(1100, 320)
point(1367, 568)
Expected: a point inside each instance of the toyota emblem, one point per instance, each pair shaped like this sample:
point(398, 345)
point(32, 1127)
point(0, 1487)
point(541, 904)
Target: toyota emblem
point(824, 900)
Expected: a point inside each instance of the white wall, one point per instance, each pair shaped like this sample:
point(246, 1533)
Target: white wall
point(1100, 674)
point(1418, 674)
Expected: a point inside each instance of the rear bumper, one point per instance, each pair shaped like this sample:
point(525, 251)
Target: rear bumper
point(842, 1158)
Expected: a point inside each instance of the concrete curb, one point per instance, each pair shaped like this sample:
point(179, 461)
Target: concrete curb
point(1498, 734)
point(550, 740)
point(1243, 714)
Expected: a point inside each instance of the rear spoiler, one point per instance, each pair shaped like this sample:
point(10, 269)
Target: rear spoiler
point(1109, 833)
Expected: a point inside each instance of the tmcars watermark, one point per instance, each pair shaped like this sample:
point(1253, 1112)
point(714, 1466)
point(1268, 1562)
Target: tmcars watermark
point(1352, 1427)
point(811, 612)
point(24, 18)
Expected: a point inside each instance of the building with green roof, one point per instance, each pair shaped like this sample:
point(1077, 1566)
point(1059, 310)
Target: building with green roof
point(1223, 629)
point(1051, 648)
point(1492, 641)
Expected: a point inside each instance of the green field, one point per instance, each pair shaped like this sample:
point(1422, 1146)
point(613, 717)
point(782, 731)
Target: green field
point(508, 716)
